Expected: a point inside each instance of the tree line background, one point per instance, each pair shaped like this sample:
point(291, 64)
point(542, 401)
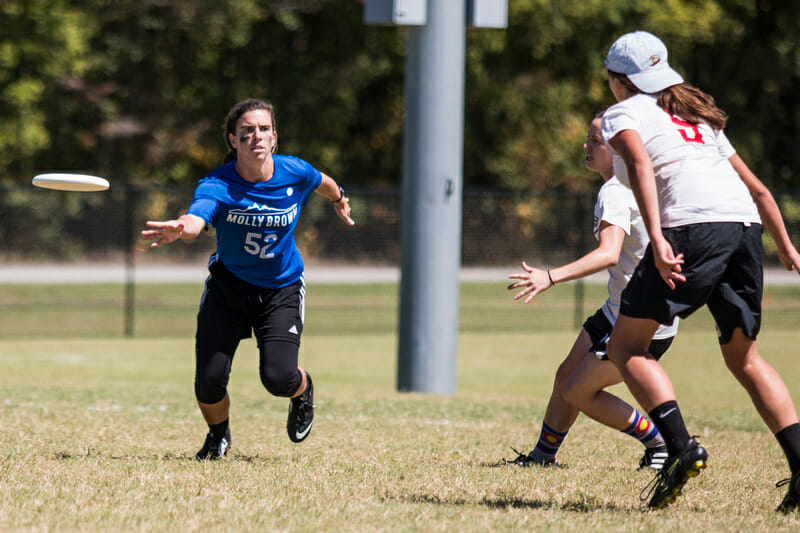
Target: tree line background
point(137, 90)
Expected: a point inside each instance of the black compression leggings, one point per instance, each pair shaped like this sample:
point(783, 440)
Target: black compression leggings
point(277, 369)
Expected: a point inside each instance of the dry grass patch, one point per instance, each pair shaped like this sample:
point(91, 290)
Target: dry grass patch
point(99, 434)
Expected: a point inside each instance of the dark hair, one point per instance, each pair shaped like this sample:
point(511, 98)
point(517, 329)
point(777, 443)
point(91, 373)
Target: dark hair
point(682, 100)
point(625, 81)
point(236, 113)
point(692, 105)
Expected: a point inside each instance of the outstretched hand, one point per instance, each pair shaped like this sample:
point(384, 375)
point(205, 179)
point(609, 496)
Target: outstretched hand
point(166, 232)
point(533, 280)
point(342, 208)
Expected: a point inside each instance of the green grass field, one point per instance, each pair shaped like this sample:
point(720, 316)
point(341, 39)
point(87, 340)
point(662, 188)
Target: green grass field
point(99, 431)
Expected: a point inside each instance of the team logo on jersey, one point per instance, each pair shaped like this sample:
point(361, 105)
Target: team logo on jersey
point(263, 216)
point(654, 60)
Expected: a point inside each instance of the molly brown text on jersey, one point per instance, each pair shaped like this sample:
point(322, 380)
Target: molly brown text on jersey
point(256, 220)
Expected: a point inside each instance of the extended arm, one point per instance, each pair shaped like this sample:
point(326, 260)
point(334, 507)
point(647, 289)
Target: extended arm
point(770, 214)
point(629, 146)
point(605, 255)
point(185, 227)
point(341, 203)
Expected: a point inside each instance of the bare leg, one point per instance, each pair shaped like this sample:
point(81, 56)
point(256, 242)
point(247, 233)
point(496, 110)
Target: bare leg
point(303, 384)
point(584, 390)
point(215, 413)
point(764, 385)
point(559, 415)
point(644, 376)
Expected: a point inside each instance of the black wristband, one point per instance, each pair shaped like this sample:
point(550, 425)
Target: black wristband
point(550, 277)
point(341, 195)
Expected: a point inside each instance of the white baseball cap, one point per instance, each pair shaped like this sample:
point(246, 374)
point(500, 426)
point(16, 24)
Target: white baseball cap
point(643, 58)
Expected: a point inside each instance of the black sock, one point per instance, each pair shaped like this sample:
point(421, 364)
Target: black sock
point(789, 439)
point(667, 418)
point(219, 429)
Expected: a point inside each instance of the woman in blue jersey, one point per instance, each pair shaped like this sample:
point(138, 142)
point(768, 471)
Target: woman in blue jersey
point(256, 273)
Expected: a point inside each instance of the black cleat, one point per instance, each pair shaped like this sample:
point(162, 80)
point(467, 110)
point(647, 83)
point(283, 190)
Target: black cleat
point(215, 447)
point(654, 458)
point(529, 460)
point(667, 484)
point(301, 413)
point(792, 499)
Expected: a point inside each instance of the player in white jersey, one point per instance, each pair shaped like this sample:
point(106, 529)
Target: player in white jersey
point(703, 210)
point(586, 371)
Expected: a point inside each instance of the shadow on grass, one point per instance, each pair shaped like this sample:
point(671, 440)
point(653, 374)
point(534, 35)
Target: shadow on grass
point(516, 463)
point(573, 507)
point(167, 457)
point(583, 506)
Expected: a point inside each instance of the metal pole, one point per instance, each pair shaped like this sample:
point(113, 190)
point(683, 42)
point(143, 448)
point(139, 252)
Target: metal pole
point(432, 201)
point(129, 202)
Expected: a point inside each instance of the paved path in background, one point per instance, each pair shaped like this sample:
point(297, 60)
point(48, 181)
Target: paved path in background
point(170, 273)
point(189, 273)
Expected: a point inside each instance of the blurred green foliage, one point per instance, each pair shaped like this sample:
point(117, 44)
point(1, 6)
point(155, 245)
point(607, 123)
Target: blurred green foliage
point(137, 90)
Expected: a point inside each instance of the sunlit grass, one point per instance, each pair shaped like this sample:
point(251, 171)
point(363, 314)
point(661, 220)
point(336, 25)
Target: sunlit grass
point(99, 433)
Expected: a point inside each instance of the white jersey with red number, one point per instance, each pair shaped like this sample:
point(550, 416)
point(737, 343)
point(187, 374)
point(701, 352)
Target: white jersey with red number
point(617, 206)
point(695, 180)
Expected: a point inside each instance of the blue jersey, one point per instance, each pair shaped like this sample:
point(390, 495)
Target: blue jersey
point(255, 222)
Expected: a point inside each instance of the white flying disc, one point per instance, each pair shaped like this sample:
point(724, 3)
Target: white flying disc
point(71, 182)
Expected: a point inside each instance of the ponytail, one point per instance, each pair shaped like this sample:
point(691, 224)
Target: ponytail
point(692, 105)
point(684, 101)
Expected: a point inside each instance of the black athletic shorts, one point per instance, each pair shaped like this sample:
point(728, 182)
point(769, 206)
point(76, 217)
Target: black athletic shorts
point(232, 308)
point(599, 329)
point(723, 269)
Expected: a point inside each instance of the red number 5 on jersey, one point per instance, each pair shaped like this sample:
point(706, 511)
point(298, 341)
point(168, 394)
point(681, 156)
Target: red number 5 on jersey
point(689, 132)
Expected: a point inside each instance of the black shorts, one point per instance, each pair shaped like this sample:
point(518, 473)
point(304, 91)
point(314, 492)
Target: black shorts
point(599, 329)
point(232, 308)
point(723, 269)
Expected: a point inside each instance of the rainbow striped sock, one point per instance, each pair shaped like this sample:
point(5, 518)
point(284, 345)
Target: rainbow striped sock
point(643, 430)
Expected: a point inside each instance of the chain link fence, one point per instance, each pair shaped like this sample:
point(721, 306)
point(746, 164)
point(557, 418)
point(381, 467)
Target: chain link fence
point(40, 226)
point(499, 228)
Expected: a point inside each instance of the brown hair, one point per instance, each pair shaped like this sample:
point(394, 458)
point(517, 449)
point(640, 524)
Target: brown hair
point(236, 113)
point(682, 100)
point(692, 105)
point(625, 81)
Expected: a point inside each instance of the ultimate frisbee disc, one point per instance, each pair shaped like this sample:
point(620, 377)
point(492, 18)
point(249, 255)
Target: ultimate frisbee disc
point(70, 182)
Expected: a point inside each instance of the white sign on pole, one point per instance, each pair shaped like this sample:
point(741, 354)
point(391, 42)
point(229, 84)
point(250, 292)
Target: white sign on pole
point(487, 13)
point(405, 12)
